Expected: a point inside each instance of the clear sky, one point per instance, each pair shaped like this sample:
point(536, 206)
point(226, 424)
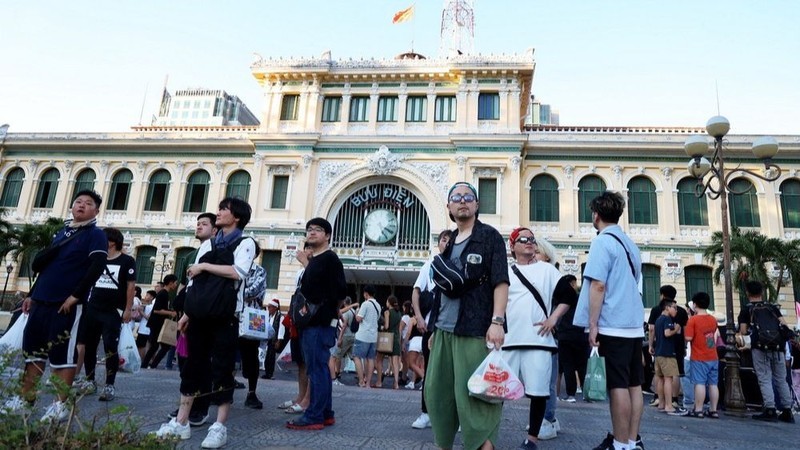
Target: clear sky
point(91, 65)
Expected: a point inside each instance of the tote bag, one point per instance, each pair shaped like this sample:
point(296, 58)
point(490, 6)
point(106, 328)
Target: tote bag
point(594, 385)
point(253, 324)
point(385, 342)
point(169, 333)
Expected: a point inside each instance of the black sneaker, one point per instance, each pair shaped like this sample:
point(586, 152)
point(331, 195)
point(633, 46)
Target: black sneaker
point(786, 416)
point(607, 444)
point(239, 384)
point(768, 415)
point(527, 445)
point(173, 414)
point(197, 419)
point(253, 402)
point(639, 445)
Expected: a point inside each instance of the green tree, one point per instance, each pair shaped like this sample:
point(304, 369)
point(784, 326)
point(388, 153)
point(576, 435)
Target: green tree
point(22, 243)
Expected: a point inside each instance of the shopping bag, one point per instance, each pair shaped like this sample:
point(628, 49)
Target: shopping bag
point(12, 340)
point(286, 354)
point(253, 324)
point(129, 360)
point(493, 381)
point(169, 333)
point(182, 346)
point(385, 342)
point(594, 385)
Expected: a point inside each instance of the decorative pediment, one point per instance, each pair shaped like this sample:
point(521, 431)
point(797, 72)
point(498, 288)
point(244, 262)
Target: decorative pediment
point(383, 162)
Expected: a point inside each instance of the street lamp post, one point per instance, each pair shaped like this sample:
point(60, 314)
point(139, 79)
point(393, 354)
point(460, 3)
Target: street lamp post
point(164, 265)
point(9, 269)
point(696, 147)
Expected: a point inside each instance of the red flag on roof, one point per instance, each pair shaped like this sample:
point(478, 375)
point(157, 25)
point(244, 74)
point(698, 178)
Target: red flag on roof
point(402, 16)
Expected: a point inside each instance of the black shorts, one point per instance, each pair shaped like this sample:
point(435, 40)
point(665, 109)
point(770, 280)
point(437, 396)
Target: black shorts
point(623, 356)
point(141, 340)
point(297, 350)
point(50, 335)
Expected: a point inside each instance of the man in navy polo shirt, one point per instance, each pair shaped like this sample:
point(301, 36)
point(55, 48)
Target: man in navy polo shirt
point(56, 300)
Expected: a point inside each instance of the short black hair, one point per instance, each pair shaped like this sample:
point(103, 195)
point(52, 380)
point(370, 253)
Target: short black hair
point(152, 293)
point(370, 289)
point(210, 216)
point(239, 208)
point(89, 193)
point(668, 291)
point(666, 302)
point(754, 288)
point(170, 278)
point(138, 291)
point(448, 233)
point(608, 206)
point(701, 300)
point(322, 223)
point(115, 236)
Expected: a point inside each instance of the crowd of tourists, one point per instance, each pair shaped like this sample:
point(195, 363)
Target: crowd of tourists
point(468, 303)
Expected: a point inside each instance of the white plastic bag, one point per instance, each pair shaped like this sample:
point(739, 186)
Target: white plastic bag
point(493, 381)
point(129, 360)
point(12, 340)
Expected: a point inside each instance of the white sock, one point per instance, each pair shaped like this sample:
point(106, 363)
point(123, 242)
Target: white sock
point(619, 445)
point(631, 444)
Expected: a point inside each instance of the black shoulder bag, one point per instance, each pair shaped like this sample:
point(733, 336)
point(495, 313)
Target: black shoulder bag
point(531, 288)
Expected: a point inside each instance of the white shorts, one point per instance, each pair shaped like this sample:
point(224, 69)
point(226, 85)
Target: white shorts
point(533, 367)
point(415, 344)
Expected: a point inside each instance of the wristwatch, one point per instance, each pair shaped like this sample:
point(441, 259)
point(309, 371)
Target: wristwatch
point(498, 320)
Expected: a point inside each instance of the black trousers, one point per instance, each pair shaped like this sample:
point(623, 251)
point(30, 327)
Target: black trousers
point(94, 324)
point(269, 360)
point(572, 357)
point(212, 347)
point(248, 351)
point(426, 356)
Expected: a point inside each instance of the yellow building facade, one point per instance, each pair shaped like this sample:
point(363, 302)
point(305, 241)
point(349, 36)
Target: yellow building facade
point(373, 146)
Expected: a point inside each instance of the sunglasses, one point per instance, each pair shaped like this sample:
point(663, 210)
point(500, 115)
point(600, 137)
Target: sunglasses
point(525, 240)
point(457, 198)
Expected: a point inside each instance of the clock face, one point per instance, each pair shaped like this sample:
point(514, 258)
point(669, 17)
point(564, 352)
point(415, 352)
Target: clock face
point(380, 226)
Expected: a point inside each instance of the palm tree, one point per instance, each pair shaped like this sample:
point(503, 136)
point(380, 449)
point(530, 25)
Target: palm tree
point(788, 259)
point(750, 253)
point(24, 242)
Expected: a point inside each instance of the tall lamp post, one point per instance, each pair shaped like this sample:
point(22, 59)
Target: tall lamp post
point(717, 186)
point(9, 269)
point(164, 266)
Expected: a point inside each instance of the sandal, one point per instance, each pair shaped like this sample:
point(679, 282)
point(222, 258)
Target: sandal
point(286, 404)
point(712, 414)
point(294, 409)
point(696, 414)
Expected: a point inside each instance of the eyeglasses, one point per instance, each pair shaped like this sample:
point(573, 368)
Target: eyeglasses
point(315, 230)
point(467, 198)
point(525, 240)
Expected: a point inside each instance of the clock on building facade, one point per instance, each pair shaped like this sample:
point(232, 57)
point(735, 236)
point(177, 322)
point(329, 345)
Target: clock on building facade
point(380, 226)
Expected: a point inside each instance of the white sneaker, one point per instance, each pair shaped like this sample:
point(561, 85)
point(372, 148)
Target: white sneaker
point(336, 382)
point(579, 391)
point(217, 436)
point(556, 425)
point(56, 412)
point(422, 422)
point(410, 385)
point(173, 428)
point(570, 400)
point(14, 405)
point(547, 431)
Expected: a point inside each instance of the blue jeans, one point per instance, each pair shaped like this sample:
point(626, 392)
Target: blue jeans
point(550, 412)
point(316, 343)
point(687, 383)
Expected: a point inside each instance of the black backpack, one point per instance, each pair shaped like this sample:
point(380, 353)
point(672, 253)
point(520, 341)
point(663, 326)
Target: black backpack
point(211, 296)
point(766, 327)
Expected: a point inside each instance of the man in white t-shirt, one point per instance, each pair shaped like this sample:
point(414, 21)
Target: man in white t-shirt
point(529, 343)
point(366, 342)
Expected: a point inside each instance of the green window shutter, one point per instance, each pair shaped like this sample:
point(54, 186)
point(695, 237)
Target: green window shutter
point(642, 207)
point(651, 283)
point(271, 261)
point(445, 109)
point(120, 190)
point(488, 106)
point(544, 199)
point(692, 210)
point(158, 191)
point(182, 262)
point(144, 267)
point(280, 190)
point(387, 109)
point(743, 208)
point(289, 107)
point(84, 181)
point(238, 185)
point(417, 109)
point(698, 279)
point(790, 205)
point(12, 188)
point(588, 188)
point(196, 192)
point(46, 193)
point(331, 108)
point(487, 193)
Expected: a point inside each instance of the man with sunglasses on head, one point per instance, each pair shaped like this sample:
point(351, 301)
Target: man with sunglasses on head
point(466, 320)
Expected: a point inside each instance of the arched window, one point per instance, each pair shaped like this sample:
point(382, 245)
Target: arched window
point(182, 261)
point(692, 210)
point(588, 188)
point(642, 206)
point(48, 185)
point(120, 190)
point(698, 279)
point(544, 199)
point(12, 188)
point(744, 207)
point(158, 191)
point(84, 181)
point(790, 203)
point(651, 283)
point(196, 192)
point(144, 267)
point(238, 185)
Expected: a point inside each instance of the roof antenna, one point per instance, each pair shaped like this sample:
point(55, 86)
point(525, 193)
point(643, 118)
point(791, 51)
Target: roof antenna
point(716, 88)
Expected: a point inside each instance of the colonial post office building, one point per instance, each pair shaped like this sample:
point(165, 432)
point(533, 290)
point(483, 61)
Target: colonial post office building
point(373, 145)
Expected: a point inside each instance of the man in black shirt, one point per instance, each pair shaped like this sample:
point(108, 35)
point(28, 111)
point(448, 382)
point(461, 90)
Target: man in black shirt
point(108, 306)
point(668, 293)
point(322, 284)
point(161, 311)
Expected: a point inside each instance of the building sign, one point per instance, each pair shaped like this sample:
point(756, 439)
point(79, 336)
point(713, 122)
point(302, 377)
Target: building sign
point(381, 194)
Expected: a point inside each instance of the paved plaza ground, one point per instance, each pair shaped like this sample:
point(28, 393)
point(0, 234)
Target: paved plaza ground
point(381, 419)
